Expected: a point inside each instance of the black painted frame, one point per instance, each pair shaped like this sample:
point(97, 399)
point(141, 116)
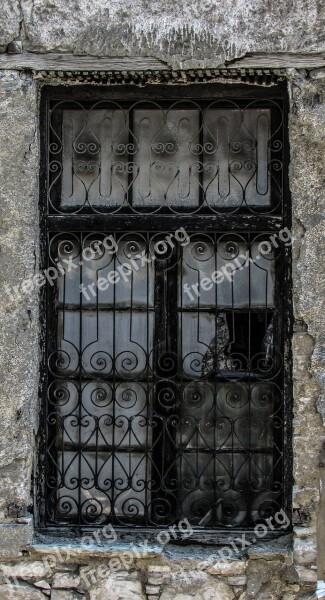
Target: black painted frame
point(247, 223)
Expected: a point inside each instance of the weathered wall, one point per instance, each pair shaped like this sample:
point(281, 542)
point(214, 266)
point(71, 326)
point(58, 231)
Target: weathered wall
point(307, 126)
point(19, 313)
point(208, 31)
point(205, 33)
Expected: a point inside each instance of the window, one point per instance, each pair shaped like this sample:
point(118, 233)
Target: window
point(167, 378)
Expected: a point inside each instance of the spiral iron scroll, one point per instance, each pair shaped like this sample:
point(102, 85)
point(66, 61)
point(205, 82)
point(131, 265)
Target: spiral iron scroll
point(145, 433)
point(144, 158)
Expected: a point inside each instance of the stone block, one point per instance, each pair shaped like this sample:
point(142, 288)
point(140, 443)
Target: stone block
point(44, 585)
point(64, 580)
point(306, 575)
point(294, 587)
point(278, 550)
point(113, 589)
point(228, 568)
point(65, 595)
point(159, 569)
point(305, 551)
point(93, 576)
point(264, 577)
point(9, 23)
point(152, 589)
point(25, 570)
point(210, 590)
point(20, 592)
point(14, 539)
point(237, 580)
point(156, 580)
point(305, 532)
point(317, 73)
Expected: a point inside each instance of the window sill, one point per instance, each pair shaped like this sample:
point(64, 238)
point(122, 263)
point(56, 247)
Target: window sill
point(63, 549)
point(158, 540)
point(18, 539)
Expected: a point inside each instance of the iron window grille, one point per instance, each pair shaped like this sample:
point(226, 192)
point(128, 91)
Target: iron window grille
point(165, 397)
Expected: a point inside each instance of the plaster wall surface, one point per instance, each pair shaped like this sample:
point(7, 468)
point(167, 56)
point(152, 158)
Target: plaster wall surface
point(193, 34)
point(205, 32)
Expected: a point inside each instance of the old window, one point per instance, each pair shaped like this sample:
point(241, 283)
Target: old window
point(166, 337)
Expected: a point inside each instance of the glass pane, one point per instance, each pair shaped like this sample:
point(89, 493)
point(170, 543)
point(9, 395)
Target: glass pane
point(237, 157)
point(100, 403)
point(133, 441)
point(225, 305)
point(225, 450)
point(94, 158)
point(214, 490)
point(236, 274)
point(107, 415)
point(104, 341)
point(195, 332)
point(166, 159)
point(146, 156)
point(98, 494)
point(104, 270)
point(213, 344)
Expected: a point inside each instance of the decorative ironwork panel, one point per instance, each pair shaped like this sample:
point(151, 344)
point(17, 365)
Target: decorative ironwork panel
point(167, 373)
point(149, 157)
point(164, 400)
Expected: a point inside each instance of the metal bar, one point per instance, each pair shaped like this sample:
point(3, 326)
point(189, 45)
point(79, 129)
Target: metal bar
point(208, 440)
point(221, 222)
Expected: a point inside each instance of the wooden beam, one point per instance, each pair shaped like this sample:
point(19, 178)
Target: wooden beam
point(69, 62)
point(279, 60)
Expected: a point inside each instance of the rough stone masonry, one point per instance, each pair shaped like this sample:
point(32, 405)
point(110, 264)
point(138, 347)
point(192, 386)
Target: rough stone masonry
point(255, 36)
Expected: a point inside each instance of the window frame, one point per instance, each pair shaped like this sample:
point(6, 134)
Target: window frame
point(243, 223)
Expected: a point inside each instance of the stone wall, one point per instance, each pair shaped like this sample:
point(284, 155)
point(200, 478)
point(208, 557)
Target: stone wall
point(206, 32)
point(195, 34)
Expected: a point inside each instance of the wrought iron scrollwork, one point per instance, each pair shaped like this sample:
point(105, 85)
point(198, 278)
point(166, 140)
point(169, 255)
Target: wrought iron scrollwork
point(185, 158)
point(163, 404)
